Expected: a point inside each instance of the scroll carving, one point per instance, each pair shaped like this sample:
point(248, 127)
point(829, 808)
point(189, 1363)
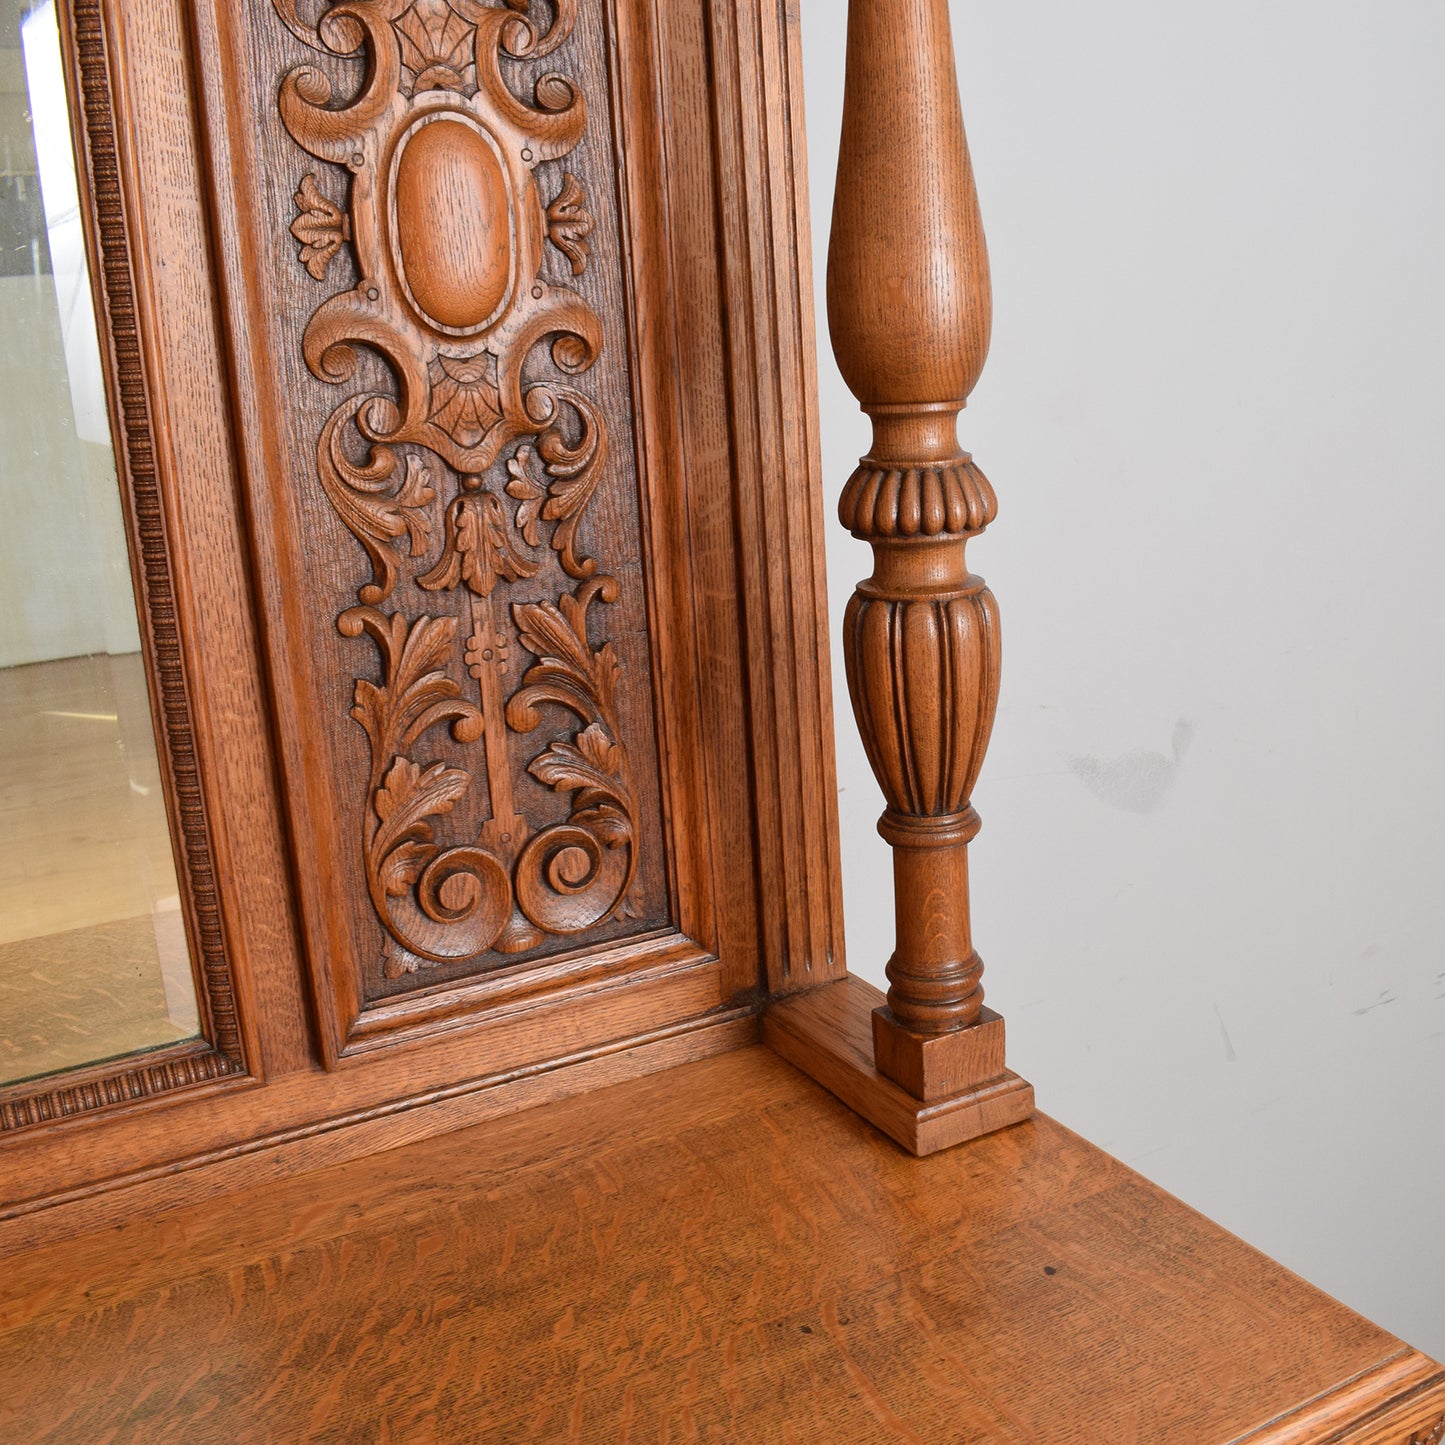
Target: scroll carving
point(484, 451)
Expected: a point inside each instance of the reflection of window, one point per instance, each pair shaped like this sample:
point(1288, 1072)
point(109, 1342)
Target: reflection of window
point(50, 120)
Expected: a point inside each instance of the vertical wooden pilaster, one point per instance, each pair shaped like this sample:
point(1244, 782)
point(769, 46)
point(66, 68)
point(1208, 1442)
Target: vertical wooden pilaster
point(909, 308)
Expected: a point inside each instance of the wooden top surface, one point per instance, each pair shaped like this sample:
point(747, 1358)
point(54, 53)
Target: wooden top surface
point(722, 1253)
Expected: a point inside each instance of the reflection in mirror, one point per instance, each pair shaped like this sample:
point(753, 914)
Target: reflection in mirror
point(93, 957)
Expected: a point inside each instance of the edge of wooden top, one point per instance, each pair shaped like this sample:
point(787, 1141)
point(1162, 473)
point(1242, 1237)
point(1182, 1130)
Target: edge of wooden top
point(268, 1159)
point(1376, 1392)
point(1399, 1401)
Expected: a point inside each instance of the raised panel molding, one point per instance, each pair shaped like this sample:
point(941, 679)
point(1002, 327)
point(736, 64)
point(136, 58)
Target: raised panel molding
point(490, 724)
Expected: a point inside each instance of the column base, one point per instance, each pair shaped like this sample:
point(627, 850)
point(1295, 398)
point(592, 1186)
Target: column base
point(828, 1033)
point(937, 1066)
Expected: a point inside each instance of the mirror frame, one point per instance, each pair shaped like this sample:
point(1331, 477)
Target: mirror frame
point(223, 1053)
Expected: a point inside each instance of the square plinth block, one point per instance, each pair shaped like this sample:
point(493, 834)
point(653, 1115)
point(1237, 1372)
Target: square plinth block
point(933, 1066)
point(828, 1034)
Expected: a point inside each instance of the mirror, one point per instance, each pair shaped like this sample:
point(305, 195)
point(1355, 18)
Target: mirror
point(93, 955)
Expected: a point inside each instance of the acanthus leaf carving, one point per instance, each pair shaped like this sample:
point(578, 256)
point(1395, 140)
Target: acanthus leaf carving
point(407, 799)
point(569, 223)
point(321, 227)
point(465, 321)
point(528, 491)
point(576, 873)
point(592, 769)
point(478, 551)
point(438, 903)
point(416, 693)
point(574, 471)
point(385, 502)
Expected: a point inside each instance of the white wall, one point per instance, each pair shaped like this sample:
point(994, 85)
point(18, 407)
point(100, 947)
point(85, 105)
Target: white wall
point(1210, 889)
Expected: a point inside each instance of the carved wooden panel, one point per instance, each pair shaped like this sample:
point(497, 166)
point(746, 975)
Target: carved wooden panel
point(443, 248)
point(673, 237)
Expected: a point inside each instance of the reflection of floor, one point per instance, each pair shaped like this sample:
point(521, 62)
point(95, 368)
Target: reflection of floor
point(78, 997)
point(91, 948)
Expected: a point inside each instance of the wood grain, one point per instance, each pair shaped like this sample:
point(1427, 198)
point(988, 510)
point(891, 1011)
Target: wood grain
point(909, 309)
point(686, 223)
point(760, 219)
point(455, 523)
point(722, 1252)
point(59, 1182)
point(830, 1033)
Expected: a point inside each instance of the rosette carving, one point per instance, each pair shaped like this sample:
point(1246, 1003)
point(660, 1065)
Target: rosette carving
point(482, 450)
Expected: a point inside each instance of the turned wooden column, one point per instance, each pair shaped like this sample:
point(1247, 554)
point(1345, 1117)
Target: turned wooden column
point(909, 309)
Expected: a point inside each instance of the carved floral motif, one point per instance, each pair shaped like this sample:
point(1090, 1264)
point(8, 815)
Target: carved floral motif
point(1435, 1436)
point(449, 229)
point(569, 222)
point(321, 227)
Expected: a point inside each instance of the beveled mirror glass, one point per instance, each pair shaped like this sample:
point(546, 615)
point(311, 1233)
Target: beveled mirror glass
point(93, 955)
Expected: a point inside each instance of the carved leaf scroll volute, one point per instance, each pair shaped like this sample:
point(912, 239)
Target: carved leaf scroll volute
point(448, 230)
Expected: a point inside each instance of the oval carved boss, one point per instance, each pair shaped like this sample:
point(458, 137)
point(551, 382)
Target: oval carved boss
point(452, 223)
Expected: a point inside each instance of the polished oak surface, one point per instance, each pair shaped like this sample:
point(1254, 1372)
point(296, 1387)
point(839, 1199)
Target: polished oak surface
point(909, 311)
point(720, 1252)
point(226, 227)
